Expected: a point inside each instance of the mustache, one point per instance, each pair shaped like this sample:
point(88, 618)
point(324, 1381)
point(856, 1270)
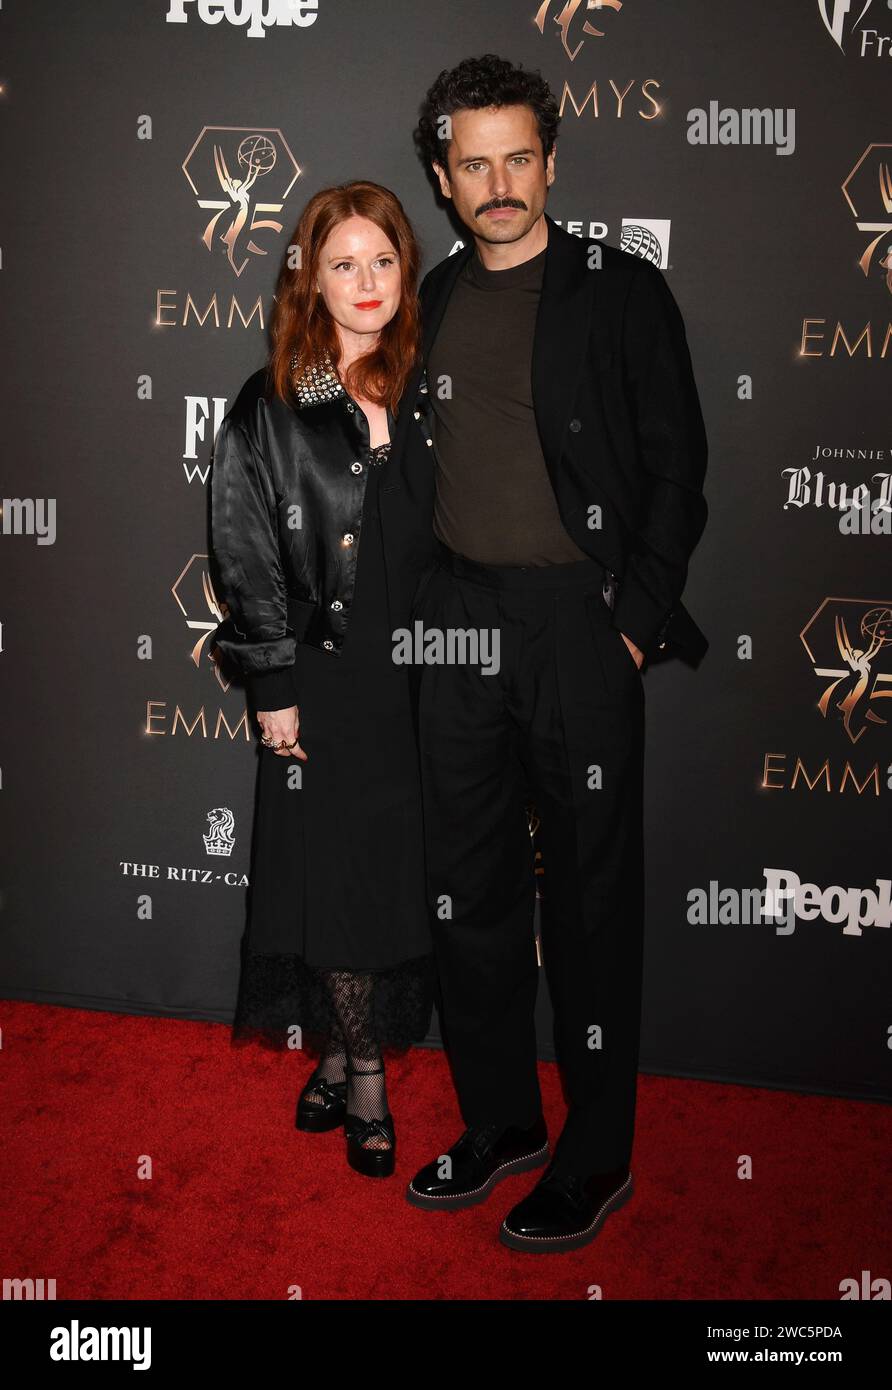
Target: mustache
point(501, 203)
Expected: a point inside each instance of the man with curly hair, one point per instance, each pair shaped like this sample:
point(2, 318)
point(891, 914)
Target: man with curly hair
point(570, 455)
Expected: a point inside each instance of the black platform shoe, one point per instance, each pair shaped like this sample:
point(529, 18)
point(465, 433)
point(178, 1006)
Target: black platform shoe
point(325, 1113)
point(565, 1212)
point(482, 1157)
point(373, 1163)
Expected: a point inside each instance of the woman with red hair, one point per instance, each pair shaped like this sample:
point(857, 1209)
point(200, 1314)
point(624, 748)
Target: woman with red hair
point(322, 498)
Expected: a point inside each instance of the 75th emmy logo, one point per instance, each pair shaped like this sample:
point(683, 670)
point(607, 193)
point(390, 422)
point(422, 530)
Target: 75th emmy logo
point(849, 643)
point(201, 610)
point(868, 192)
point(564, 15)
point(226, 168)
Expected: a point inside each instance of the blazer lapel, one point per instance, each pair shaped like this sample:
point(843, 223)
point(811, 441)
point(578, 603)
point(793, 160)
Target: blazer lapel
point(433, 308)
point(560, 342)
point(438, 297)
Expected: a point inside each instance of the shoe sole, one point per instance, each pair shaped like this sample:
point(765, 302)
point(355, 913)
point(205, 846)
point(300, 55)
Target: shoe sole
point(479, 1194)
point(372, 1166)
point(544, 1244)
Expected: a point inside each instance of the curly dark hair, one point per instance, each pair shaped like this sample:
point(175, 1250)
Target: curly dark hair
point(479, 82)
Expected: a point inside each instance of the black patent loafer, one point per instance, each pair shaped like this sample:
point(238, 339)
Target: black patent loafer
point(325, 1113)
point(481, 1158)
point(372, 1162)
point(565, 1212)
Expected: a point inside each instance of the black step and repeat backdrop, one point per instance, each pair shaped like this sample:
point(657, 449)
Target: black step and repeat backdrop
point(156, 155)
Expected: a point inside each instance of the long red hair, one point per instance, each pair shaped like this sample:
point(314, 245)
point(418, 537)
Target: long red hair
point(300, 320)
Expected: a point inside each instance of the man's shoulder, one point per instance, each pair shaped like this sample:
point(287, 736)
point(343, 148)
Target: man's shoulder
point(619, 263)
point(621, 266)
point(617, 268)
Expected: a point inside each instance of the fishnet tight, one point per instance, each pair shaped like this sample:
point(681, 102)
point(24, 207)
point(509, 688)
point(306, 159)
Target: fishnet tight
point(352, 1040)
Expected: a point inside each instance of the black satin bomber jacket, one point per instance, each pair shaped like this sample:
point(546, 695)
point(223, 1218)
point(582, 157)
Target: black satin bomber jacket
point(287, 489)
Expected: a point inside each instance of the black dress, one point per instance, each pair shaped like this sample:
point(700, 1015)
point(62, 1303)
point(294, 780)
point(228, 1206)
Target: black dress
point(337, 871)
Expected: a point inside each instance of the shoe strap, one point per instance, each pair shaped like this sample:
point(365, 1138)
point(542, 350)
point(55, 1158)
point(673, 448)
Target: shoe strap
point(329, 1090)
point(363, 1130)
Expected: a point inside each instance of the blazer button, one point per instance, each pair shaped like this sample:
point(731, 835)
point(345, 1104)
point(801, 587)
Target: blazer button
point(348, 538)
point(575, 426)
point(418, 415)
point(328, 645)
point(429, 443)
point(356, 468)
point(337, 605)
point(351, 407)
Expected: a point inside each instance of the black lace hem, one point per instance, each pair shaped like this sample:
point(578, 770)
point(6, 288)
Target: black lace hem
point(283, 1004)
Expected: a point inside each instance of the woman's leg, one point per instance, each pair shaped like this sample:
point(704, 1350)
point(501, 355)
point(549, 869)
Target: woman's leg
point(351, 996)
point(332, 1066)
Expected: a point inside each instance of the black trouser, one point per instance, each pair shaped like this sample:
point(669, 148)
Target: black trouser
point(561, 725)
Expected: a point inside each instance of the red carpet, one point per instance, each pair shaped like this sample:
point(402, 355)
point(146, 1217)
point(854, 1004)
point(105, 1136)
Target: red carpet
point(243, 1206)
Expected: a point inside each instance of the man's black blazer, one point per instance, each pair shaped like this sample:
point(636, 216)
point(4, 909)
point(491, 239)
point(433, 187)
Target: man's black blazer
point(619, 419)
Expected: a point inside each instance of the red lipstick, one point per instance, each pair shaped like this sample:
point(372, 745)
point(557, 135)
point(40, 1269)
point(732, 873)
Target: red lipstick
point(369, 304)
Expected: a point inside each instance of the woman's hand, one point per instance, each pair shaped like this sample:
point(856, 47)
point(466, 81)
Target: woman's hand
point(279, 724)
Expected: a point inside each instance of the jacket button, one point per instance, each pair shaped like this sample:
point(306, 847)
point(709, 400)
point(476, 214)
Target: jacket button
point(429, 443)
point(328, 645)
point(356, 468)
point(418, 415)
point(337, 605)
point(662, 645)
point(575, 426)
point(348, 538)
point(351, 407)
